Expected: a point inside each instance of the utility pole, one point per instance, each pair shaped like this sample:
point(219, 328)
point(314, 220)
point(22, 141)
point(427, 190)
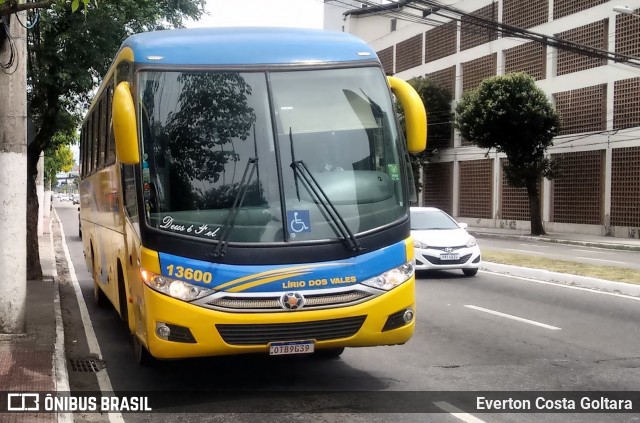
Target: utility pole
point(13, 172)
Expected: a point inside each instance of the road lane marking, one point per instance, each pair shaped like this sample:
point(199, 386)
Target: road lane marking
point(561, 285)
point(524, 251)
point(59, 358)
point(92, 341)
point(608, 261)
point(537, 246)
point(512, 317)
point(456, 412)
point(592, 251)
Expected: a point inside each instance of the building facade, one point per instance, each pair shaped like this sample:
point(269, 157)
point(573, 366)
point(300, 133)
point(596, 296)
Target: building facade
point(598, 190)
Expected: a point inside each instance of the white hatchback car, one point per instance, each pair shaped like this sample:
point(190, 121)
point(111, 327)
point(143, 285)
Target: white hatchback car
point(441, 243)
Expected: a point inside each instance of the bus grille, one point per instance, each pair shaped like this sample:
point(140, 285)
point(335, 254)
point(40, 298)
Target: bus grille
point(239, 303)
point(261, 334)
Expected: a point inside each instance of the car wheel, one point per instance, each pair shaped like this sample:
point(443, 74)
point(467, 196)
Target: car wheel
point(469, 272)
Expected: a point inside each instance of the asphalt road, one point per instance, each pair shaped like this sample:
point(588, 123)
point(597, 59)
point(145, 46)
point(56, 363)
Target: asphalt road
point(590, 255)
point(485, 333)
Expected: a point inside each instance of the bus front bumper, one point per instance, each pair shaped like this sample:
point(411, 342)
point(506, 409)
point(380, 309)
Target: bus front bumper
point(387, 319)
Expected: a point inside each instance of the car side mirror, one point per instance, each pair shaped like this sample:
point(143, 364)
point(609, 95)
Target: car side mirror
point(463, 225)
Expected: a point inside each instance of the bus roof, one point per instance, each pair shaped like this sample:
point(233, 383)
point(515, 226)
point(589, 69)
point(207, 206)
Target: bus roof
point(246, 46)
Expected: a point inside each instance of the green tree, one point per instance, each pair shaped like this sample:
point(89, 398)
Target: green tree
point(57, 159)
point(437, 100)
point(67, 54)
point(512, 115)
point(8, 7)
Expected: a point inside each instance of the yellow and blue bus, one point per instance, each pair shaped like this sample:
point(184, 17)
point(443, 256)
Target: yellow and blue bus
point(247, 190)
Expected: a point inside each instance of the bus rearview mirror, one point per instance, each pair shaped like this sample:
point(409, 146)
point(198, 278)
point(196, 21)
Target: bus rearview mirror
point(124, 125)
point(414, 113)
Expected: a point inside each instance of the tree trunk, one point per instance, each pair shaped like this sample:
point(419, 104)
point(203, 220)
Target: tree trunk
point(534, 209)
point(34, 270)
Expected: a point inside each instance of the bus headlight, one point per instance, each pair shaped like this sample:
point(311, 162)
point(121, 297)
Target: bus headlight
point(174, 288)
point(392, 278)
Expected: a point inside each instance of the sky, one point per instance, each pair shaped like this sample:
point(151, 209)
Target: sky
point(287, 13)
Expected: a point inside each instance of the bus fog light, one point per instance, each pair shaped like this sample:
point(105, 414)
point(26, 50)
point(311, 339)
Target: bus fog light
point(162, 330)
point(408, 315)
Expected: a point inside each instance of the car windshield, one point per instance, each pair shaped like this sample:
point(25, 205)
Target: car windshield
point(214, 139)
point(422, 220)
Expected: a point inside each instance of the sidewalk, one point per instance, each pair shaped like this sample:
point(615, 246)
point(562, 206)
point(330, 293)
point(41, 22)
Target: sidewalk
point(606, 286)
point(31, 361)
point(628, 244)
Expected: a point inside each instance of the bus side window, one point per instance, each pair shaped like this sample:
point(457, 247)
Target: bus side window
point(111, 143)
point(129, 192)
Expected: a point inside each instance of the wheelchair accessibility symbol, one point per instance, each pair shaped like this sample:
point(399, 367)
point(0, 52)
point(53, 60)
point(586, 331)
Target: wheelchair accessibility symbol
point(298, 221)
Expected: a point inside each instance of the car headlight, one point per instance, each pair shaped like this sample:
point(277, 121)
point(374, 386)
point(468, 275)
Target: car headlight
point(392, 278)
point(172, 287)
point(420, 244)
point(472, 242)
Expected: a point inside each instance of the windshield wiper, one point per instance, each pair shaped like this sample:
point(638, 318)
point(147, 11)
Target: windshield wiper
point(243, 185)
point(320, 197)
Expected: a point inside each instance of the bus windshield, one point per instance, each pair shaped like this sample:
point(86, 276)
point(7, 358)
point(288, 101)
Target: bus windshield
point(225, 143)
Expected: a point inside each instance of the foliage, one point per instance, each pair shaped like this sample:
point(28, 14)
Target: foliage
point(69, 52)
point(437, 102)
point(8, 7)
point(56, 160)
point(512, 115)
point(67, 55)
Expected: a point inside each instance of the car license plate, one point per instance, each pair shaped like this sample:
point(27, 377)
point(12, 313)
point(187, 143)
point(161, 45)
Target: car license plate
point(293, 347)
point(449, 256)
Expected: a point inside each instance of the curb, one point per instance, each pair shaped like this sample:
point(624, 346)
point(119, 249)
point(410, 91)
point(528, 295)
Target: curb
point(597, 244)
point(60, 372)
point(602, 285)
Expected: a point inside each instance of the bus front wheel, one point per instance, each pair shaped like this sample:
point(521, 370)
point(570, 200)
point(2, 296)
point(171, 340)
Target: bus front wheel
point(140, 353)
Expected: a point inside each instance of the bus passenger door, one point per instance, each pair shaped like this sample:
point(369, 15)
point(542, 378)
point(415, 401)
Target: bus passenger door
point(131, 269)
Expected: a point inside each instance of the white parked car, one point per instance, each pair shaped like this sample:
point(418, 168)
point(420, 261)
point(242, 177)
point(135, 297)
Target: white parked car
point(442, 243)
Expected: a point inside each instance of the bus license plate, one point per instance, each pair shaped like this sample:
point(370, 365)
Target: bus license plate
point(449, 256)
point(293, 347)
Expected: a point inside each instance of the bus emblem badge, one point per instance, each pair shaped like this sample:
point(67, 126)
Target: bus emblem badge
point(292, 301)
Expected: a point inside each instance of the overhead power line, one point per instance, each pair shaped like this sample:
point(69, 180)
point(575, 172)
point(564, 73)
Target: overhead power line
point(549, 40)
point(436, 8)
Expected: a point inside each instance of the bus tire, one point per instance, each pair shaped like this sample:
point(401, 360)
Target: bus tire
point(99, 298)
point(122, 295)
point(140, 353)
point(329, 353)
